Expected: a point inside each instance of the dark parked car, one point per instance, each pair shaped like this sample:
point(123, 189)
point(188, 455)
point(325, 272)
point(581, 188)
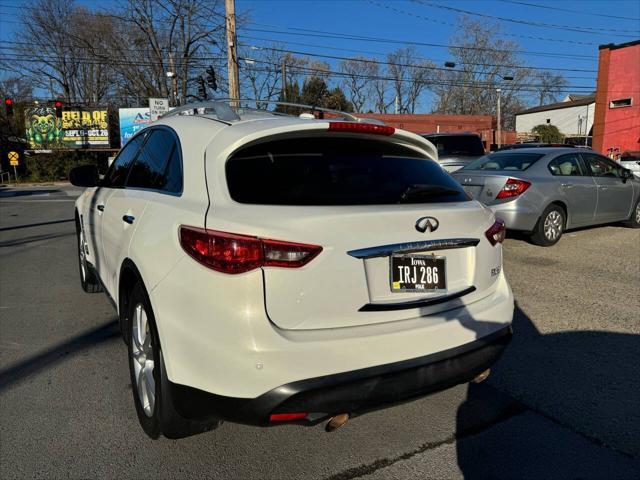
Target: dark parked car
point(455, 150)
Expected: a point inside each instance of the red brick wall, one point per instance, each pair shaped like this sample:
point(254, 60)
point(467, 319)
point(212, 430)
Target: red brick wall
point(618, 77)
point(427, 123)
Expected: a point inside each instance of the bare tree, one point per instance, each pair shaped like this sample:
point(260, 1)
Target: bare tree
point(262, 72)
point(484, 64)
point(357, 81)
point(409, 77)
point(550, 86)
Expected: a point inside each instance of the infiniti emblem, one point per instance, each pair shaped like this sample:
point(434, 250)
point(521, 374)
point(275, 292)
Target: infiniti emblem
point(427, 224)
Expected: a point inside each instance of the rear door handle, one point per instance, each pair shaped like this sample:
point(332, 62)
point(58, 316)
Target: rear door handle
point(567, 185)
point(128, 219)
point(100, 207)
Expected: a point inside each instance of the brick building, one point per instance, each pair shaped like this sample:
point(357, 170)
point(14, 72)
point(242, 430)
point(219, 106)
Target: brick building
point(617, 112)
point(483, 125)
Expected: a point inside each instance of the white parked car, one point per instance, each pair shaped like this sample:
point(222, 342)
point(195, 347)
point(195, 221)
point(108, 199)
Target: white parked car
point(270, 269)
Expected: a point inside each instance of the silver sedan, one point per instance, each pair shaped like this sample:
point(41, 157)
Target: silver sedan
point(544, 191)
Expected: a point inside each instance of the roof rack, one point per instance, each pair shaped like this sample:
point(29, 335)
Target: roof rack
point(225, 109)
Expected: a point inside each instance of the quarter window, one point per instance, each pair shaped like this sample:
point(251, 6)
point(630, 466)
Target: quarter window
point(158, 165)
point(566, 165)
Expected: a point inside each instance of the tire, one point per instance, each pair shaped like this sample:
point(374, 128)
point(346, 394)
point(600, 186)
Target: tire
point(634, 219)
point(88, 277)
point(149, 382)
point(550, 226)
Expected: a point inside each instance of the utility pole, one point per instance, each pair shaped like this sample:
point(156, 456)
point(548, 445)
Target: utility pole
point(284, 79)
point(586, 128)
point(499, 91)
point(232, 56)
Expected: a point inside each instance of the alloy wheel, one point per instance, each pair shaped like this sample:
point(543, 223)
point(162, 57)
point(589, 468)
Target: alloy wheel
point(143, 363)
point(553, 225)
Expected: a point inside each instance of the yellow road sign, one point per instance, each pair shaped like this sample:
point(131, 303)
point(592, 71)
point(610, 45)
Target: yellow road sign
point(13, 158)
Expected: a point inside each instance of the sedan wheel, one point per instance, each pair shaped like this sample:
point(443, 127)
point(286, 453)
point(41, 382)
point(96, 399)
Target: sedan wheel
point(550, 226)
point(143, 359)
point(553, 225)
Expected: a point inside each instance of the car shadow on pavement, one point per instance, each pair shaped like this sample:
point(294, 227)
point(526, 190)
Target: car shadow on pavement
point(23, 369)
point(31, 225)
point(580, 393)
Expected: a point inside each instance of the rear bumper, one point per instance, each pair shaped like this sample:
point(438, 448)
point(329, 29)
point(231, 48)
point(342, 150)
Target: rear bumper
point(349, 392)
point(517, 214)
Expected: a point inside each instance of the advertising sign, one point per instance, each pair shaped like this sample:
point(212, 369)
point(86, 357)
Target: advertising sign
point(78, 127)
point(43, 129)
point(158, 107)
point(132, 120)
point(85, 127)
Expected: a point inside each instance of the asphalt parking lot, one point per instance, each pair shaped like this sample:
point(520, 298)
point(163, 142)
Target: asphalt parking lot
point(563, 401)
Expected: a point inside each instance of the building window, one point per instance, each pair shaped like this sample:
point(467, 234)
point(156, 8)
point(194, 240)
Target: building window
point(621, 102)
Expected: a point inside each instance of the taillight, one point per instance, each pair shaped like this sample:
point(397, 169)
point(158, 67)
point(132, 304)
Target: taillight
point(355, 127)
point(513, 188)
point(231, 253)
point(496, 233)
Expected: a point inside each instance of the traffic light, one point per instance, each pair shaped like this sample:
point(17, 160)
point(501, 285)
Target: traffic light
point(8, 106)
point(211, 78)
point(58, 106)
point(202, 88)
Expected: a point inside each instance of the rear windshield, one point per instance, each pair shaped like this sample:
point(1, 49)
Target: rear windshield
point(337, 171)
point(505, 161)
point(465, 145)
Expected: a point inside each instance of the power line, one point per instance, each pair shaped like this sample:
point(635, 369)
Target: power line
point(358, 51)
point(380, 62)
point(574, 28)
point(579, 12)
point(441, 22)
point(347, 36)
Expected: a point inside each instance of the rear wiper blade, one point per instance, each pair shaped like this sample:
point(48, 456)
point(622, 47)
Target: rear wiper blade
point(424, 190)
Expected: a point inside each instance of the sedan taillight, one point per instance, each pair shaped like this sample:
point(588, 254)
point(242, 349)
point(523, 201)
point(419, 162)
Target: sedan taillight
point(513, 188)
point(497, 232)
point(231, 253)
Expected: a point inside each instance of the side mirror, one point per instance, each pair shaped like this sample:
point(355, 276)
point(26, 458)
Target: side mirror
point(626, 174)
point(84, 176)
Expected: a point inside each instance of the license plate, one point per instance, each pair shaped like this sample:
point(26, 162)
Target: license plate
point(417, 273)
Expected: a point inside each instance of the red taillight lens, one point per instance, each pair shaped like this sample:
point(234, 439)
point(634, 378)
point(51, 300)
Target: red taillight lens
point(355, 127)
point(230, 253)
point(287, 417)
point(513, 188)
point(497, 232)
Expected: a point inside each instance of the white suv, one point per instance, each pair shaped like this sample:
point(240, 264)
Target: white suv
point(270, 268)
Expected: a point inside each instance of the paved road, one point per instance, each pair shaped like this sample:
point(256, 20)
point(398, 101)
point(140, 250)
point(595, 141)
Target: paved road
point(563, 401)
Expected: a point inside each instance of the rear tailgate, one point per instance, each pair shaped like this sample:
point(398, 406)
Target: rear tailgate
point(483, 187)
point(355, 196)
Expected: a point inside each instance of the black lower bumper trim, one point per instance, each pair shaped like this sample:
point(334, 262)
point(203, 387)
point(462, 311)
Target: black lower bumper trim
point(349, 392)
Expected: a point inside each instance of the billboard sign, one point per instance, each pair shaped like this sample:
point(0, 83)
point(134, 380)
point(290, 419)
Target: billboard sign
point(85, 128)
point(158, 107)
point(131, 121)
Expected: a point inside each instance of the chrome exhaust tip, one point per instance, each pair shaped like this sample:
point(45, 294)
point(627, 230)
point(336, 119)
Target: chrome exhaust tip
point(336, 422)
point(482, 376)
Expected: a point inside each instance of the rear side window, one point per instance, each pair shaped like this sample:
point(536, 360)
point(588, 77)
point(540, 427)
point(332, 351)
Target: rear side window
point(158, 165)
point(465, 145)
point(566, 165)
point(336, 171)
point(505, 161)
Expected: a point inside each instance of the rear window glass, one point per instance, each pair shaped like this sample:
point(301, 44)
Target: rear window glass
point(336, 171)
point(465, 145)
point(505, 161)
